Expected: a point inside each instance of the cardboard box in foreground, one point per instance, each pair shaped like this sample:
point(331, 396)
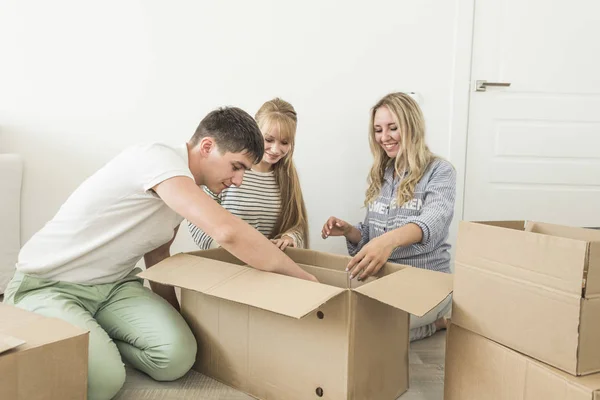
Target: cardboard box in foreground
point(478, 368)
point(532, 287)
point(41, 358)
point(278, 337)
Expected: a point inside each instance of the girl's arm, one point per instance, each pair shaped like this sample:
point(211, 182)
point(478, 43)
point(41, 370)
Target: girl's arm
point(438, 207)
point(243, 241)
point(429, 227)
point(296, 238)
point(356, 236)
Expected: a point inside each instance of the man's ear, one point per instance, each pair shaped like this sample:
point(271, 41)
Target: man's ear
point(206, 146)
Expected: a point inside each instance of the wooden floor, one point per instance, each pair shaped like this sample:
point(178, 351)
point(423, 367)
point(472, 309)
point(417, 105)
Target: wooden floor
point(426, 379)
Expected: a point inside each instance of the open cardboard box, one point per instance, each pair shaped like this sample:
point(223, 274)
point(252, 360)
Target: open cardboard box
point(533, 287)
point(41, 358)
point(478, 368)
point(278, 337)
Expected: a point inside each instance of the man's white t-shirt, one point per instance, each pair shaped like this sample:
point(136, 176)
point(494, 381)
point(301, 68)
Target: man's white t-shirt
point(111, 220)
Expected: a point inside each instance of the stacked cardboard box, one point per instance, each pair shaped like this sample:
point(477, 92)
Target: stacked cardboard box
point(41, 358)
point(526, 313)
point(278, 337)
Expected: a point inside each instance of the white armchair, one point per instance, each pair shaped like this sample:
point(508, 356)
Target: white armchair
point(11, 173)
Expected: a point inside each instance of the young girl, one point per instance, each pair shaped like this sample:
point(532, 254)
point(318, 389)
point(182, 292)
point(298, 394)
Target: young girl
point(410, 202)
point(270, 198)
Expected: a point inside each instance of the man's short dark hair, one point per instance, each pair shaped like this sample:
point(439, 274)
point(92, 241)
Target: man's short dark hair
point(234, 131)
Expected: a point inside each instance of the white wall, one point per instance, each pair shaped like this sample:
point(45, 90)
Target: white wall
point(80, 81)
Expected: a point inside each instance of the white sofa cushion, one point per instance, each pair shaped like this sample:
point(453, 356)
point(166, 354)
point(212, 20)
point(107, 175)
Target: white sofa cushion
point(11, 173)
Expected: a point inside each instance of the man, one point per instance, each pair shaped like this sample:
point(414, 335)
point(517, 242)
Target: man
point(80, 266)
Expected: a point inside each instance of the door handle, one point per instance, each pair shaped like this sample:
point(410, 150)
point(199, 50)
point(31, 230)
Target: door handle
point(481, 86)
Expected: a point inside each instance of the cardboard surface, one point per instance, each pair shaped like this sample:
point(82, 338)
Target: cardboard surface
point(478, 368)
point(341, 330)
point(553, 262)
point(272, 292)
point(592, 237)
point(525, 288)
point(262, 353)
point(9, 342)
point(413, 290)
point(589, 341)
point(50, 364)
point(378, 360)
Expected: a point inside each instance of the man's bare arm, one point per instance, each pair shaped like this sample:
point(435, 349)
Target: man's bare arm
point(246, 243)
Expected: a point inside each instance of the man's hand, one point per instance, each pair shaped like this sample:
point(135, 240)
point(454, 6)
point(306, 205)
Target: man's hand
point(184, 197)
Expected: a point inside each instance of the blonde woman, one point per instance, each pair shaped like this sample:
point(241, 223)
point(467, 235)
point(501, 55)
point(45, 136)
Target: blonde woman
point(410, 203)
point(270, 198)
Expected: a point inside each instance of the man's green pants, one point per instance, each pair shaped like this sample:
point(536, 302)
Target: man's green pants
point(125, 319)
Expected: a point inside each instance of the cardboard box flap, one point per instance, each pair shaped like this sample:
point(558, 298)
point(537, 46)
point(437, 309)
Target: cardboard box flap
point(277, 293)
point(570, 232)
point(413, 290)
point(516, 225)
point(591, 237)
point(589, 382)
point(192, 272)
point(33, 329)
point(319, 259)
point(12, 317)
point(9, 342)
point(554, 262)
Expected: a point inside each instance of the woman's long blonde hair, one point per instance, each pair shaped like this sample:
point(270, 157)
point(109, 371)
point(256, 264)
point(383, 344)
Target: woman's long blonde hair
point(414, 155)
point(281, 114)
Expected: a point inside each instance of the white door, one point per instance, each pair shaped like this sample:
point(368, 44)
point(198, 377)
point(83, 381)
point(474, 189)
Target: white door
point(533, 147)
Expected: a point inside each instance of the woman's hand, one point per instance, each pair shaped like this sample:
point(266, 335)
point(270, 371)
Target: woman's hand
point(335, 227)
point(284, 242)
point(369, 260)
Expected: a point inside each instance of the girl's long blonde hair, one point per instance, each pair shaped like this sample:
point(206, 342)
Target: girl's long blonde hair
point(414, 155)
point(293, 217)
